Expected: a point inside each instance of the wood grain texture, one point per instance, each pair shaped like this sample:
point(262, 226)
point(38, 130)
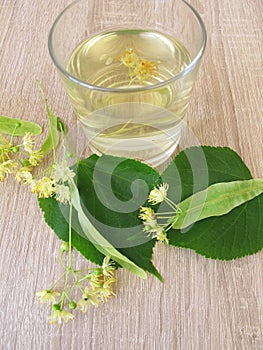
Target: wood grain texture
point(203, 304)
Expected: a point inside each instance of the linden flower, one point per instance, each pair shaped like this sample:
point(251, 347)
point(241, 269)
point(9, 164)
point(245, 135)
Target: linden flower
point(43, 188)
point(62, 193)
point(47, 296)
point(162, 237)
point(5, 147)
point(96, 278)
point(107, 268)
point(158, 194)
point(84, 303)
point(129, 58)
point(24, 175)
point(147, 214)
point(3, 141)
point(65, 247)
point(35, 157)
point(58, 316)
point(105, 290)
point(62, 172)
point(144, 70)
point(28, 142)
point(149, 224)
point(6, 168)
point(157, 232)
point(89, 297)
point(140, 69)
point(154, 230)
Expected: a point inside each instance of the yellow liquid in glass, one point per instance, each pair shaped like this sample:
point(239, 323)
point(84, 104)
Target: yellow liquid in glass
point(146, 124)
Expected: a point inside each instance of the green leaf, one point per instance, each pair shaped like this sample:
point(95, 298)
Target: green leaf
point(56, 216)
point(113, 209)
point(52, 139)
point(112, 190)
point(142, 255)
point(196, 168)
point(98, 240)
point(233, 235)
point(216, 200)
point(18, 127)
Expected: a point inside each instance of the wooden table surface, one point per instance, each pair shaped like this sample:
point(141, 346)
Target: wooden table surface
point(203, 304)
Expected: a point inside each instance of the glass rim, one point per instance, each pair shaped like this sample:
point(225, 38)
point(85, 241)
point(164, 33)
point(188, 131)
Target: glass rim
point(84, 84)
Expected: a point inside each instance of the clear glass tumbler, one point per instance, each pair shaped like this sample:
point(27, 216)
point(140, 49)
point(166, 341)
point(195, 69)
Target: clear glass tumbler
point(129, 67)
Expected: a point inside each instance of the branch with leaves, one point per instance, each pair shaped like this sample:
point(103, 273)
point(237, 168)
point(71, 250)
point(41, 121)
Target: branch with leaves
point(205, 200)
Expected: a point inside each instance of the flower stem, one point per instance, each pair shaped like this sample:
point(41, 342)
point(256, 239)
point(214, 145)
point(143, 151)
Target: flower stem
point(70, 235)
point(62, 262)
point(171, 204)
point(13, 133)
point(56, 282)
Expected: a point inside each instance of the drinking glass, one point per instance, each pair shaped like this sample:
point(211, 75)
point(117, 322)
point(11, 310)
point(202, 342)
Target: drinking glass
point(128, 67)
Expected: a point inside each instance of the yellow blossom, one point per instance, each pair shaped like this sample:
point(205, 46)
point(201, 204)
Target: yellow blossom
point(62, 173)
point(147, 214)
point(139, 69)
point(149, 227)
point(65, 247)
point(105, 290)
point(96, 278)
point(6, 168)
point(43, 188)
point(157, 232)
point(58, 316)
point(9, 166)
point(62, 193)
point(149, 224)
point(158, 194)
point(35, 157)
point(107, 268)
point(89, 297)
point(5, 147)
point(47, 296)
point(144, 70)
point(28, 142)
point(154, 230)
point(83, 305)
point(128, 58)
point(24, 175)
point(3, 140)
point(162, 237)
